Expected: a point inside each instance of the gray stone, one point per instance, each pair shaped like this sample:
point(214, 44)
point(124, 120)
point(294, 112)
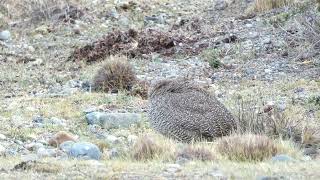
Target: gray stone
point(113, 120)
point(43, 152)
point(2, 150)
point(132, 139)
point(85, 150)
point(2, 137)
point(112, 139)
point(5, 35)
point(268, 178)
point(282, 158)
point(114, 153)
point(220, 5)
point(66, 146)
point(34, 146)
point(29, 157)
point(310, 151)
point(173, 168)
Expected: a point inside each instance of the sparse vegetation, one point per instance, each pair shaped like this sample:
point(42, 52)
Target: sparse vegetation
point(146, 149)
point(212, 57)
point(196, 153)
point(116, 74)
point(266, 5)
point(247, 147)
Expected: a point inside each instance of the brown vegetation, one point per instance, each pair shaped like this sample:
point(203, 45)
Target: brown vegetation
point(116, 74)
point(196, 153)
point(247, 147)
point(145, 149)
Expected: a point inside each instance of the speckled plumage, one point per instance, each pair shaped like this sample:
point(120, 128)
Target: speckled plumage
point(183, 111)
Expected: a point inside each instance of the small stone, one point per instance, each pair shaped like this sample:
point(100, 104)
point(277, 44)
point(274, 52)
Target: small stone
point(85, 150)
point(112, 139)
point(173, 168)
point(113, 153)
point(37, 62)
point(76, 29)
point(282, 158)
point(2, 150)
point(61, 137)
point(310, 151)
point(220, 5)
point(5, 35)
point(31, 49)
point(34, 146)
point(2, 137)
point(57, 121)
point(268, 178)
point(29, 157)
point(43, 152)
point(266, 41)
point(113, 120)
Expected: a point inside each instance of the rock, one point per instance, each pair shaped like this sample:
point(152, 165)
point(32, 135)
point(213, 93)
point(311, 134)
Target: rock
point(113, 153)
point(5, 35)
point(220, 5)
point(66, 146)
point(112, 139)
point(173, 168)
point(57, 121)
point(266, 41)
point(282, 158)
point(29, 157)
point(313, 152)
point(37, 62)
point(34, 146)
point(43, 152)
point(61, 137)
point(268, 178)
point(113, 120)
point(85, 150)
point(2, 150)
point(2, 137)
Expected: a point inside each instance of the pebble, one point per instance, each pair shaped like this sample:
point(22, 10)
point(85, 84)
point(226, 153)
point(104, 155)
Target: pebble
point(112, 139)
point(2, 150)
point(113, 120)
point(220, 5)
point(310, 151)
point(29, 157)
point(173, 168)
point(2, 137)
point(43, 152)
point(282, 158)
point(5, 35)
point(34, 146)
point(85, 150)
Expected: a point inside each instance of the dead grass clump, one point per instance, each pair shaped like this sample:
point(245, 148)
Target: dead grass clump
point(196, 153)
point(145, 149)
point(60, 137)
point(247, 147)
point(116, 74)
point(266, 5)
point(140, 89)
point(135, 44)
point(35, 11)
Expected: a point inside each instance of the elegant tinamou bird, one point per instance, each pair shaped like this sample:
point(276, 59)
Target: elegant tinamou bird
point(181, 110)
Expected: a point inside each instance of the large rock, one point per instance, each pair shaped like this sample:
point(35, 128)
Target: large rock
point(113, 120)
point(82, 150)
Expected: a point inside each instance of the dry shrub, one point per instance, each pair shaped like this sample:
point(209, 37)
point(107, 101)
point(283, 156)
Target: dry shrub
point(196, 153)
point(38, 10)
point(134, 43)
point(266, 5)
point(254, 116)
point(247, 147)
point(145, 149)
point(140, 89)
point(116, 74)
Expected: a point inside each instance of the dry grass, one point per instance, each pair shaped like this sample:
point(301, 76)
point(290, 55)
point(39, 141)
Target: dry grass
point(146, 148)
point(196, 153)
point(266, 5)
point(116, 74)
point(247, 147)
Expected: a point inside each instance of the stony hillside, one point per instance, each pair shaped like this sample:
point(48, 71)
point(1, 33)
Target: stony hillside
point(66, 115)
